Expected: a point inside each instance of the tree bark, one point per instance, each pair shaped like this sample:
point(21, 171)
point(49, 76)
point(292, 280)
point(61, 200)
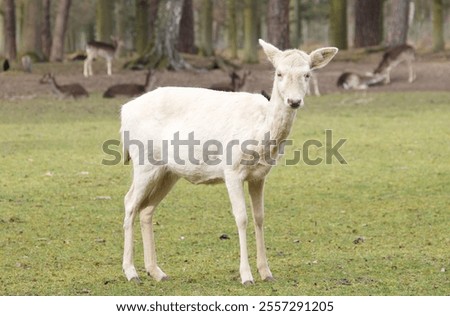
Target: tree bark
point(32, 28)
point(295, 27)
point(186, 38)
point(104, 20)
point(338, 23)
point(438, 26)
point(206, 26)
point(162, 52)
point(10, 29)
point(141, 28)
point(368, 23)
point(398, 22)
point(278, 23)
point(62, 19)
point(232, 28)
point(121, 19)
point(152, 17)
point(46, 33)
point(250, 31)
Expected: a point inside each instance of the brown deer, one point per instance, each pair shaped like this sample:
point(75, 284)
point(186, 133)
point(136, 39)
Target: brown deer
point(235, 84)
point(131, 89)
point(96, 49)
point(227, 86)
point(74, 90)
point(392, 58)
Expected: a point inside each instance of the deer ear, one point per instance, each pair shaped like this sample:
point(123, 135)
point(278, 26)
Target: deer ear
point(322, 56)
point(270, 51)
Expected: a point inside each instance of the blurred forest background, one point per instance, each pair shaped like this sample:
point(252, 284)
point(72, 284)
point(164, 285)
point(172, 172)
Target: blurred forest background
point(154, 32)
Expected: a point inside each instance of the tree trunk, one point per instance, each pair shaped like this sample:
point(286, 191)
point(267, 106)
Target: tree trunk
point(250, 31)
point(438, 26)
point(46, 33)
point(121, 18)
point(62, 18)
point(232, 28)
point(398, 22)
point(368, 23)
point(186, 37)
point(162, 52)
point(104, 20)
point(278, 23)
point(32, 28)
point(141, 28)
point(338, 23)
point(206, 26)
point(152, 17)
point(295, 24)
point(10, 29)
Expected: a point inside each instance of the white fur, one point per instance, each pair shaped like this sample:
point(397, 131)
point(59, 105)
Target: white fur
point(212, 115)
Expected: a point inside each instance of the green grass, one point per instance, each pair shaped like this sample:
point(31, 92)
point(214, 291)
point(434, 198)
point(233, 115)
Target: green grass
point(58, 238)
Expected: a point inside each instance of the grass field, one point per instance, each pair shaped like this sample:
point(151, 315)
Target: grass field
point(379, 225)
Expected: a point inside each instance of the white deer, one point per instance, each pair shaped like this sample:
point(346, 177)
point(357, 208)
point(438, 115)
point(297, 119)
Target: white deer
point(214, 118)
point(96, 49)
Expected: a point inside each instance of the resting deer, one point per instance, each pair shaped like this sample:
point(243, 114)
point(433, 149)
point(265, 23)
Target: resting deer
point(74, 90)
point(227, 86)
point(392, 58)
point(219, 124)
point(236, 82)
point(96, 49)
point(131, 89)
point(354, 81)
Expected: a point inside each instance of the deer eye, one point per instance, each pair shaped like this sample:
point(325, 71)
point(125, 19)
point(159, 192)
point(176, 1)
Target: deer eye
point(279, 75)
point(307, 76)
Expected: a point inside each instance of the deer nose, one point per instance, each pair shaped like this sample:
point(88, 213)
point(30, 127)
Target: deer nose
point(295, 103)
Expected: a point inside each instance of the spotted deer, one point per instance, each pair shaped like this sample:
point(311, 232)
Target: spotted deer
point(392, 58)
point(131, 89)
point(96, 49)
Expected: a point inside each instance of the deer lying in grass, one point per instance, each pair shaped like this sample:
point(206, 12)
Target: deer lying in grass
point(354, 81)
point(96, 49)
point(227, 86)
point(131, 89)
point(236, 82)
point(166, 115)
point(392, 58)
point(74, 90)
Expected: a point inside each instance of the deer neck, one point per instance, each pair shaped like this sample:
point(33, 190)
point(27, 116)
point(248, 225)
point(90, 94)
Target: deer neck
point(55, 87)
point(281, 118)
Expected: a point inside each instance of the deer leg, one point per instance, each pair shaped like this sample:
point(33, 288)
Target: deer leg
point(109, 66)
point(85, 68)
point(235, 189)
point(128, 249)
point(315, 84)
point(387, 78)
point(134, 199)
point(412, 74)
point(162, 188)
point(256, 190)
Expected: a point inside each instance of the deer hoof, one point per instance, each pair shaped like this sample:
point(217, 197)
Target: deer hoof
point(136, 280)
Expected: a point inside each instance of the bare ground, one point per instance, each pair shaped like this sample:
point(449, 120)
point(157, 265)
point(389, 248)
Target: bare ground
point(432, 75)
